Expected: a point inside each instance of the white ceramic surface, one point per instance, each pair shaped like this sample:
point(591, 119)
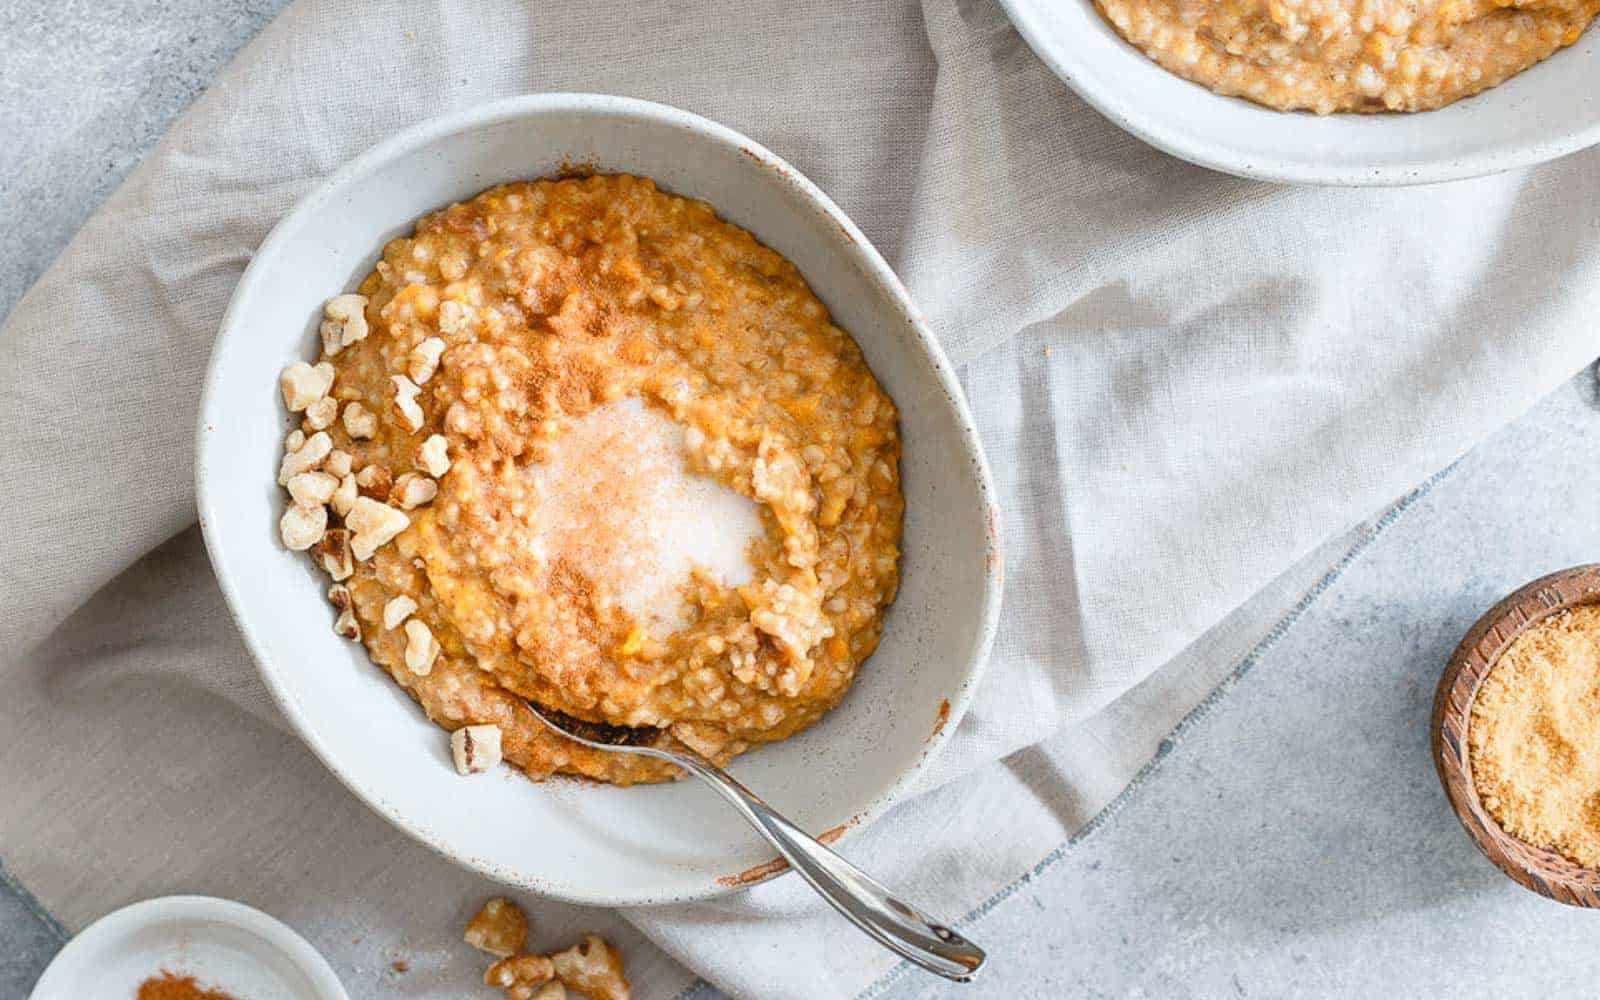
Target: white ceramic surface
point(223, 944)
point(598, 845)
point(1551, 110)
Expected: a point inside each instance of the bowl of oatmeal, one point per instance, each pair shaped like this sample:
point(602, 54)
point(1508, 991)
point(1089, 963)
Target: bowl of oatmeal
point(590, 402)
point(1346, 92)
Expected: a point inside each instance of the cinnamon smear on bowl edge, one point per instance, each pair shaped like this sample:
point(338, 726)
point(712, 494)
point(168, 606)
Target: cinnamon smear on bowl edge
point(168, 985)
point(1535, 736)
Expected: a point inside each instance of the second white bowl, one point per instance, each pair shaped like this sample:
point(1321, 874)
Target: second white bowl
point(1549, 111)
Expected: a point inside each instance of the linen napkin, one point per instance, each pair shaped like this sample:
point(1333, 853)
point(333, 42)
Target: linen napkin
point(1185, 383)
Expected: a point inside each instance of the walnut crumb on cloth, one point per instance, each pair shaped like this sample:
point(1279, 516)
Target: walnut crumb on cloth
point(591, 968)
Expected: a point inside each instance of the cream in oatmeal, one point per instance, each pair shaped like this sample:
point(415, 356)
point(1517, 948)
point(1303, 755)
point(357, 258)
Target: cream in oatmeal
point(579, 441)
point(1349, 55)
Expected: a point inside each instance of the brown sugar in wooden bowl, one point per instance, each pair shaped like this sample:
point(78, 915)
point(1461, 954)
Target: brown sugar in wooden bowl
point(1535, 868)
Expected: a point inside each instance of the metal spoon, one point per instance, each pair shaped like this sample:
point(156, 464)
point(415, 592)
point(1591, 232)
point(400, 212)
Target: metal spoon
point(893, 924)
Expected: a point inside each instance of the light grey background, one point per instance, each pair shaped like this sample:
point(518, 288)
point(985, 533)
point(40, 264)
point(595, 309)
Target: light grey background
point(1291, 841)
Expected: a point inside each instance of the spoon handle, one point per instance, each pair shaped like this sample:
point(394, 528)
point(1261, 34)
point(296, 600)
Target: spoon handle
point(899, 927)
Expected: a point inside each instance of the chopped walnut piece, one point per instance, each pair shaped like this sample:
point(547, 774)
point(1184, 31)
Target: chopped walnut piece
point(520, 975)
point(295, 441)
point(552, 990)
point(421, 648)
point(434, 456)
point(474, 748)
point(302, 527)
point(374, 524)
point(451, 313)
point(359, 422)
point(499, 928)
point(346, 322)
point(346, 624)
point(305, 458)
point(405, 401)
point(304, 384)
point(460, 420)
point(345, 496)
point(412, 491)
point(312, 489)
point(377, 480)
point(338, 463)
point(397, 611)
point(593, 968)
point(423, 360)
point(321, 414)
point(347, 627)
point(333, 554)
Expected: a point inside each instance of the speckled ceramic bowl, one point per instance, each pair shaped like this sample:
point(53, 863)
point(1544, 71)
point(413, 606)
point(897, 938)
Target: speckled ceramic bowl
point(595, 844)
point(1549, 111)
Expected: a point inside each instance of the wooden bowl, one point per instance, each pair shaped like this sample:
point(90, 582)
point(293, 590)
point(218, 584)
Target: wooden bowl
point(1536, 868)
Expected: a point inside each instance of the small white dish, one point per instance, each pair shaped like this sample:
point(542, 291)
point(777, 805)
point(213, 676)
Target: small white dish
point(598, 845)
point(224, 945)
point(1551, 110)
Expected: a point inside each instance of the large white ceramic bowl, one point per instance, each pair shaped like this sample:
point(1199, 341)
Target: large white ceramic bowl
point(587, 843)
point(1551, 110)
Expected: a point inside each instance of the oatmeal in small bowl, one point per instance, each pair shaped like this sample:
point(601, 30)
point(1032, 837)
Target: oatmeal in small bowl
point(589, 402)
point(581, 442)
point(1332, 92)
point(1327, 56)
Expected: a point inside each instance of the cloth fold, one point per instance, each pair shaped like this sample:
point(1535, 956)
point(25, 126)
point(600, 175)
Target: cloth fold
point(1185, 382)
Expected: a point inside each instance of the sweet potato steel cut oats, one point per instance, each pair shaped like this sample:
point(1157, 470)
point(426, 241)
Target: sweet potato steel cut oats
point(1349, 55)
point(596, 448)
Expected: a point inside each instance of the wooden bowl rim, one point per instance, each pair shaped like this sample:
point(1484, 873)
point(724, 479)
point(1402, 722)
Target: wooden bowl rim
point(1535, 868)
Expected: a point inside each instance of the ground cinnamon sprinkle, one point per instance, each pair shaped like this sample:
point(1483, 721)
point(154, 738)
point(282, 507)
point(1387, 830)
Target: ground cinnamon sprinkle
point(171, 986)
point(1535, 736)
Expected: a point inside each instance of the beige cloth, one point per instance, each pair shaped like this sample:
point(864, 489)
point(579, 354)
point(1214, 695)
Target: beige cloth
point(1185, 382)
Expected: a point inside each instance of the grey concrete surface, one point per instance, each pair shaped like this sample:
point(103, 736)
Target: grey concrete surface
point(1294, 843)
point(87, 87)
point(28, 937)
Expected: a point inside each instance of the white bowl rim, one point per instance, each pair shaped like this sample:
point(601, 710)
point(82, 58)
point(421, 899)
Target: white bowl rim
point(270, 930)
point(501, 110)
point(1127, 114)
